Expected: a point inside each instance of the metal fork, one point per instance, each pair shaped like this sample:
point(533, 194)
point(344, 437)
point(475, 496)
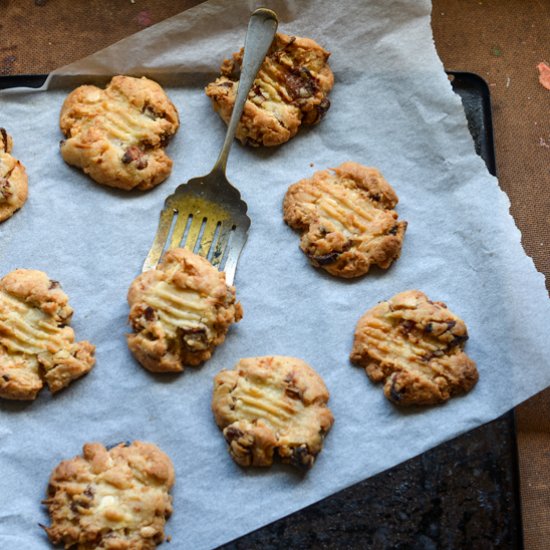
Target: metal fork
point(210, 216)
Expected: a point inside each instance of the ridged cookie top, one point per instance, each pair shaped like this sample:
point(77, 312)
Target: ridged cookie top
point(36, 343)
point(13, 179)
point(290, 89)
point(27, 328)
point(180, 312)
point(114, 498)
point(347, 219)
point(117, 135)
point(416, 347)
point(272, 405)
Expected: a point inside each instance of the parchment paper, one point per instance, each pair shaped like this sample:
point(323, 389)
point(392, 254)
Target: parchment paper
point(393, 108)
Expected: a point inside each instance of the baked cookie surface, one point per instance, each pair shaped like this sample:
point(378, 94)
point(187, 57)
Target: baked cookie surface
point(347, 219)
point(111, 499)
point(179, 312)
point(117, 135)
point(290, 89)
point(269, 406)
point(416, 347)
point(37, 346)
point(13, 179)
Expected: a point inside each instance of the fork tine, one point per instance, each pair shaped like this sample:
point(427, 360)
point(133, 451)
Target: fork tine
point(207, 237)
point(165, 222)
point(193, 233)
point(221, 243)
point(237, 244)
point(179, 229)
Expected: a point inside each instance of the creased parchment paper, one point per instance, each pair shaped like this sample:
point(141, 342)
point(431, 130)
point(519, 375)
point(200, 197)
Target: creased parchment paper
point(393, 108)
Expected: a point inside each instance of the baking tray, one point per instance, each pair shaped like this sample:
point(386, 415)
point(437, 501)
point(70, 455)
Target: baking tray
point(461, 494)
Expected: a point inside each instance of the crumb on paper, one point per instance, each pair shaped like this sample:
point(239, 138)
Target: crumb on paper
point(544, 74)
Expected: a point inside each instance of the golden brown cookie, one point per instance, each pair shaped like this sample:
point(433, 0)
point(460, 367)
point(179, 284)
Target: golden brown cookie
point(290, 89)
point(37, 345)
point(13, 179)
point(347, 219)
point(416, 347)
point(270, 406)
point(111, 499)
point(180, 312)
point(117, 135)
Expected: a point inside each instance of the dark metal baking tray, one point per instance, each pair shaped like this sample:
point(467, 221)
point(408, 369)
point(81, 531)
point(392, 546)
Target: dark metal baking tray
point(461, 494)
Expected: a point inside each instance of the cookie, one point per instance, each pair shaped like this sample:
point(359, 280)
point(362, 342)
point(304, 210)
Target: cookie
point(113, 499)
point(37, 345)
point(416, 347)
point(272, 406)
point(117, 135)
point(347, 219)
point(13, 179)
point(180, 312)
point(290, 89)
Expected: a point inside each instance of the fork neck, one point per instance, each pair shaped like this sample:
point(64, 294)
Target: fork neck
point(221, 163)
point(261, 30)
point(247, 79)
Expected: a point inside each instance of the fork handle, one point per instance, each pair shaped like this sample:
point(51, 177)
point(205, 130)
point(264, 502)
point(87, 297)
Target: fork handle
point(259, 36)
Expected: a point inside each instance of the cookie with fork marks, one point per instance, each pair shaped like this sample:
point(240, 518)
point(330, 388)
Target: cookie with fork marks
point(291, 89)
point(415, 346)
point(347, 219)
point(272, 406)
point(114, 498)
point(37, 345)
point(117, 135)
point(180, 312)
point(13, 179)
